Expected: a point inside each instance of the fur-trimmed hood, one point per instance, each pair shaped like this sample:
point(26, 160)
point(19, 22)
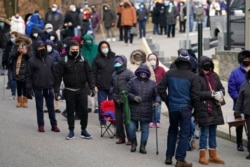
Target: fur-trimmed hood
point(23, 40)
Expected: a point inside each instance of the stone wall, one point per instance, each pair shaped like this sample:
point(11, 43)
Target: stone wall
point(227, 61)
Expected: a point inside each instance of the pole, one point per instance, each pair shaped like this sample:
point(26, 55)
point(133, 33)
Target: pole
point(247, 24)
point(228, 26)
point(187, 23)
point(200, 31)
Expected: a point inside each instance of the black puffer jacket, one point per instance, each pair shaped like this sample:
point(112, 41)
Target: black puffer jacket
point(146, 89)
point(203, 117)
point(23, 68)
point(120, 78)
point(103, 68)
point(76, 73)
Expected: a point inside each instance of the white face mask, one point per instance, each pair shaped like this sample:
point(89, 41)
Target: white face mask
point(48, 30)
point(81, 10)
point(35, 35)
point(152, 62)
point(49, 48)
point(73, 9)
point(53, 9)
point(105, 50)
point(52, 38)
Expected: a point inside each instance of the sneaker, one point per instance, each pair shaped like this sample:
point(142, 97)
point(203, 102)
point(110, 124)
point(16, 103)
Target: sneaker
point(168, 160)
point(45, 111)
point(108, 40)
point(113, 39)
point(70, 136)
point(240, 148)
point(85, 135)
point(12, 97)
point(151, 125)
point(41, 129)
point(157, 125)
point(55, 128)
point(58, 111)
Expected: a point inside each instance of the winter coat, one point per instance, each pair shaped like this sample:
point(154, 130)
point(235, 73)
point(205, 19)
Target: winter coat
point(156, 14)
point(182, 85)
point(21, 76)
point(103, 68)
point(34, 39)
point(109, 17)
point(171, 16)
point(89, 51)
point(75, 73)
point(204, 117)
point(17, 24)
point(243, 100)
point(35, 21)
point(57, 45)
point(142, 14)
point(4, 36)
point(162, 15)
point(120, 78)
point(86, 26)
point(236, 79)
point(54, 53)
point(40, 72)
point(146, 89)
point(72, 17)
point(128, 16)
point(7, 59)
point(54, 18)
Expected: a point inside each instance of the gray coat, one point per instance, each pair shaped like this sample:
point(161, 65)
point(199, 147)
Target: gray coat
point(171, 16)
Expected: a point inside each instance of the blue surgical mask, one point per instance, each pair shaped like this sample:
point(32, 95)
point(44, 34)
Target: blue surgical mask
point(1, 24)
point(12, 40)
point(116, 65)
point(105, 50)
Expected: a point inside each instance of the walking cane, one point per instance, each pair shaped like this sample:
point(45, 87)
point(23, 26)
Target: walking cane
point(156, 129)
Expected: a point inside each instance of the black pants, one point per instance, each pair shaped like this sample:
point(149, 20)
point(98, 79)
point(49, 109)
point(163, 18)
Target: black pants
point(239, 132)
point(182, 26)
point(127, 34)
point(247, 118)
point(121, 33)
point(120, 120)
point(171, 28)
point(77, 100)
point(21, 88)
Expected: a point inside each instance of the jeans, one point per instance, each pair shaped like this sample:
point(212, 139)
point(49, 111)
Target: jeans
point(208, 134)
point(1, 58)
point(142, 28)
point(49, 98)
point(127, 34)
point(144, 130)
point(121, 33)
point(12, 82)
point(156, 29)
point(177, 119)
point(77, 101)
point(191, 22)
point(157, 115)
point(101, 96)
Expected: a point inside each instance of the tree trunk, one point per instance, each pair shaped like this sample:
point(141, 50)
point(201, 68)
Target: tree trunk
point(10, 7)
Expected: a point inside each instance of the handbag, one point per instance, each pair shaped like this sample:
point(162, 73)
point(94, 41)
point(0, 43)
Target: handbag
point(134, 31)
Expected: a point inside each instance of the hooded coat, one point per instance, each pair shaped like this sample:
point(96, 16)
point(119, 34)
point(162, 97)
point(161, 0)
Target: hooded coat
point(109, 17)
point(203, 116)
point(89, 50)
point(58, 45)
point(35, 21)
point(120, 78)
point(17, 24)
point(146, 89)
point(103, 68)
point(54, 53)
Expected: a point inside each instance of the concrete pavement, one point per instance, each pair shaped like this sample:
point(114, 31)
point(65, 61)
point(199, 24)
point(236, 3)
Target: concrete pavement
point(22, 146)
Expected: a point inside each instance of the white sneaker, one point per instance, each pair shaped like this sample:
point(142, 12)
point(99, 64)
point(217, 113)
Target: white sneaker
point(108, 39)
point(113, 40)
point(12, 97)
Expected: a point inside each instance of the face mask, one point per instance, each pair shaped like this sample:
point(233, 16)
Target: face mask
point(42, 53)
point(35, 35)
point(105, 8)
point(245, 63)
point(1, 24)
point(53, 9)
point(141, 6)
point(207, 67)
point(105, 50)
point(74, 9)
point(117, 65)
point(152, 63)
point(74, 53)
point(48, 30)
point(52, 38)
point(49, 48)
point(81, 10)
point(12, 40)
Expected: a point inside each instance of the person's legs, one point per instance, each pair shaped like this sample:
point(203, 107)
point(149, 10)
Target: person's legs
point(169, 30)
point(70, 97)
point(239, 132)
point(83, 103)
point(204, 131)
point(1, 58)
point(173, 30)
point(126, 31)
point(212, 136)
point(120, 135)
point(39, 106)
point(247, 118)
point(107, 33)
point(12, 83)
point(121, 33)
point(49, 98)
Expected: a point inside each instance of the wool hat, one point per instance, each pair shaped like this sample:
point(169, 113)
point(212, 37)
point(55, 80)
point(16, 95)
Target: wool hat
point(48, 26)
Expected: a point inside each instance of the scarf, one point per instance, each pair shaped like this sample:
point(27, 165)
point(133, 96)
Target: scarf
point(18, 63)
point(210, 86)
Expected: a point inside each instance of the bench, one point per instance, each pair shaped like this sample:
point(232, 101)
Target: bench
point(232, 122)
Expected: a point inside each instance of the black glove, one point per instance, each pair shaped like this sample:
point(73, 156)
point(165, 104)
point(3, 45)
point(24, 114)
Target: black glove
point(237, 114)
point(57, 95)
point(137, 99)
point(30, 93)
point(92, 93)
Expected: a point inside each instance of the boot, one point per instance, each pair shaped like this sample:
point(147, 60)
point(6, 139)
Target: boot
point(248, 156)
point(143, 147)
point(133, 146)
point(203, 160)
point(19, 101)
point(213, 157)
point(182, 163)
point(25, 102)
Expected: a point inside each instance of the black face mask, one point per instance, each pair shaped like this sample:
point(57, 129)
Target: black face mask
point(245, 63)
point(206, 67)
point(74, 53)
point(42, 53)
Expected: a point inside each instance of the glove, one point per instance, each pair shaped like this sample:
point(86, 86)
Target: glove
point(30, 93)
point(137, 99)
point(156, 105)
point(57, 95)
point(237, 114)
point(92, 93)
point(78, 27)
point(218, 96)
point(134, 25)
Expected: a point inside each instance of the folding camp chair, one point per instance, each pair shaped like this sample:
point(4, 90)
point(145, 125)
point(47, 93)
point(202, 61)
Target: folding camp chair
point(108, 118)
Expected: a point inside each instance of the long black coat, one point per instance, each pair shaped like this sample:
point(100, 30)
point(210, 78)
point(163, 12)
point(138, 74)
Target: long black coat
point(23, 68)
